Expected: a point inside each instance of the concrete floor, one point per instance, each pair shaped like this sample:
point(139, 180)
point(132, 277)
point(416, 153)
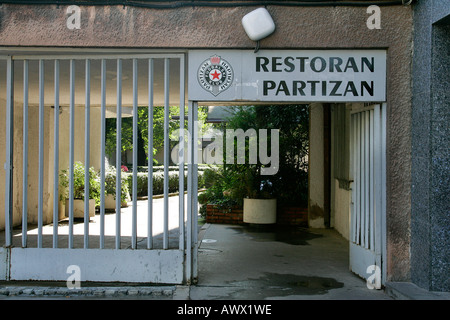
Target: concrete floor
point(110, 228)
point(241, 262)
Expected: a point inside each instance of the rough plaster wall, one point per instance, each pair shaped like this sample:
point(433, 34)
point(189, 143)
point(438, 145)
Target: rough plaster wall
point(297, 27)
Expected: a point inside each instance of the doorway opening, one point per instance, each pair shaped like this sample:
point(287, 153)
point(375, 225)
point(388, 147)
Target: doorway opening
point(345, 168)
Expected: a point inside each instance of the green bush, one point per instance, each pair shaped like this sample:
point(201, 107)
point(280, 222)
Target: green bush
point(78, 183)
point(158, 181)
point(110, 183)
point(289, 185)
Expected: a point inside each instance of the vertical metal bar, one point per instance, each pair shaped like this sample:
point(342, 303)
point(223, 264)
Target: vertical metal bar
point(377, 174)
point(41, 153)
point(352, 170)
point(378, 183)
point(363, 177)
point(166, 155)
point(368, 181)
point(9, 151)
point(352, 177)
point(25, 156)
point(150, 157)
point(358, 176)
point(71, 148)
point(371, 177)
point(87, 123)
point(135, 148)
point(181, 156)
point(195, 193)
point(102, 154)
point(118, 151)
point(188, 264)
point(56, 158)
point(383, 264)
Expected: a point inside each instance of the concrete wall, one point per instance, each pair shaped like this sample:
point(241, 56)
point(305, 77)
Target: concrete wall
point(340, 195)
point(296, 28)
point(340, 209)
point(33, 160)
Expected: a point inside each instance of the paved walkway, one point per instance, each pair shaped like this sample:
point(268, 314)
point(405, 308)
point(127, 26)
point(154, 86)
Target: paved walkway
point(110, 228)
point(238, 263)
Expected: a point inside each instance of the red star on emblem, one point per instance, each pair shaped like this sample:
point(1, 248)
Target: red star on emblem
point(215, 75)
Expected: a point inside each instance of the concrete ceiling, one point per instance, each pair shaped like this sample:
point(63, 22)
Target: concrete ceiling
point(95, 79)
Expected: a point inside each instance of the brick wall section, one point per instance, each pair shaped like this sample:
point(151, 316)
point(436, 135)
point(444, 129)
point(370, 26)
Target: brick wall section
point(296, 216)
point(224, 216)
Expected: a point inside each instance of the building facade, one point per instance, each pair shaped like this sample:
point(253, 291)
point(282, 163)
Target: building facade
point(414, 37)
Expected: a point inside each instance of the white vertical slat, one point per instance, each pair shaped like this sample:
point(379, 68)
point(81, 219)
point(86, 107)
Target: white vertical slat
point(181, 156)
point(353, 171)
point(87, 124)
point(367, 178)
point(358, 177)
point(118, 151)
point(9, 151)
point(377, 175)
point(166, 154)
point(41, 154)
point(135, 160)
point(379, 188)
point(150, 157)
point(371, 177)
point(56, 157)
point(363, 177)
point(382, 225)
point(71, 148)
point(102, 152)
point(25, 156)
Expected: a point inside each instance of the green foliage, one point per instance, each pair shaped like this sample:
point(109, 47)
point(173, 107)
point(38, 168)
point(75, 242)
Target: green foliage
point(158, 182)
point(110, 183)
point(158, 129)
point(290, 184)
point(78, 183)
point(219, 189)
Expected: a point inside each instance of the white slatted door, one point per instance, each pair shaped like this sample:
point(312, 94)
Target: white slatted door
point(367, 214)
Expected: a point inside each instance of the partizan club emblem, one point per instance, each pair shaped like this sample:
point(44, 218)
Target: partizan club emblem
point(215, 75)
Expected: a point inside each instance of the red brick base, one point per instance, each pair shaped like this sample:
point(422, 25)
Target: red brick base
point(232, 215)
point(294, 216)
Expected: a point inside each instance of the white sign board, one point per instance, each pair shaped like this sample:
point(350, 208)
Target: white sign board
point(287, 75)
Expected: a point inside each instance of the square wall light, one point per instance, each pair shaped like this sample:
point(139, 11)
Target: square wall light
point(258, 24)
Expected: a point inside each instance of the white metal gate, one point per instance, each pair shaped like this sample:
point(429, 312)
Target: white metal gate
point(132, 259)
point(368, 192)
